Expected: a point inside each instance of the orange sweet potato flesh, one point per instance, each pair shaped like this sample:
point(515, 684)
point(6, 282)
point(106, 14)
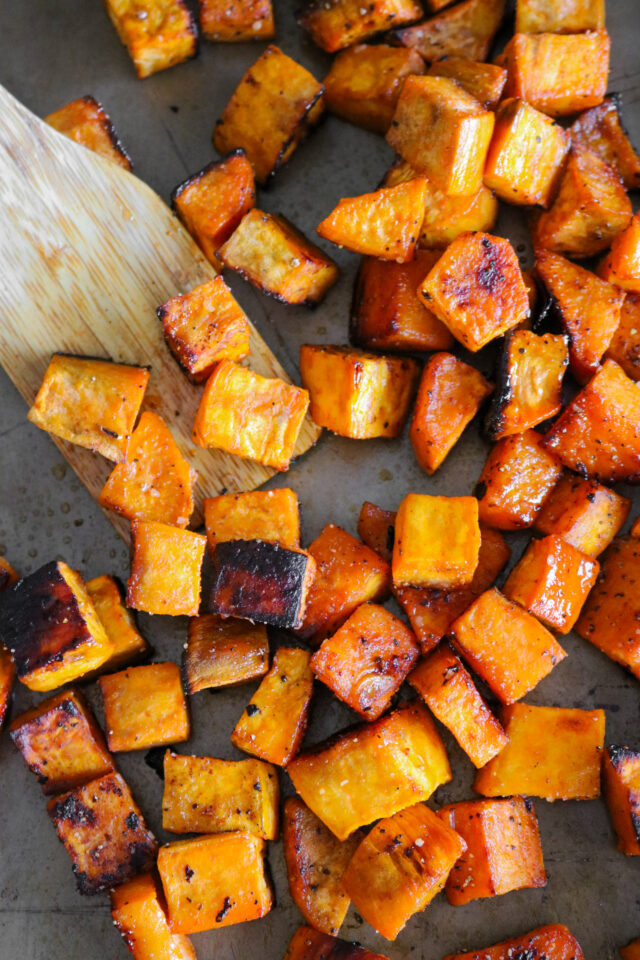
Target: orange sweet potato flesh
point(157, 33)
point(622, 264)
point(310, 944)
point(484, 81)
point(222, 652)
point(7, 677)
point(376, 529)
point(466, 30)
point(584, 513)
point(271, 515)
point(144, 707)
point(559, 16)
point(631, 951)
point(8, 575)
point(335, 24)
point(621, 785)
point(138, 914)
point(237, 22)
point(554, 942)
point(165, 570)
point(85, 121)
point(600, 130)
point(129, 646)
point(437, 541)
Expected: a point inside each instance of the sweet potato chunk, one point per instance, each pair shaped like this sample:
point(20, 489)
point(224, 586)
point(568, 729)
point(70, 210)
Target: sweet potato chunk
point(584, 513)
point(273, 724)
point(565, 16)
point(144, 707)
point(250, 416)
point(347, 574)
point(373, 771)
point(527, 652)
point(384, 224)
point(310, 944)
point(437, 541)
point(476, 289)
point(554, 942)
point(503, 852)
point(93, 403)
point(271, 515)
point(367, 660)
point(466, 30)
point(600, 129)
point(621, 785)
point(7, 677)
point(364, 83)
point(120, 627)
point(400, 866)
point(138, 914)
point(206, 795)
point(625, 343)
point(450, 395)
point(212, 882)
point(335, 24)
point(8, 576)
point(484, 81)
point(157, 33)
point(316, 861)
point(451, 695)
point(376, 528)
point(598, 433)
point(222, 652)
point(237, 21)
point(553, 753)
point(631, 951)
point(356, 394)
point(104, 833)
point(271, 111)
point(86, 122)
point(165, 570)
point(50, 627)
point(622, 264)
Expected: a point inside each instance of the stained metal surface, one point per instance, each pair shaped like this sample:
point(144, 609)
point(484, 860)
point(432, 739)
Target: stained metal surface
point(51, 53)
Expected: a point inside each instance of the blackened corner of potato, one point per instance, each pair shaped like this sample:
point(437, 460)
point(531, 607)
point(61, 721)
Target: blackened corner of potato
point(502, 394)
point(619, 755)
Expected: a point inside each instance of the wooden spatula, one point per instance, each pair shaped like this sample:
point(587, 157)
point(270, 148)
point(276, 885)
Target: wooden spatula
point(87, 253)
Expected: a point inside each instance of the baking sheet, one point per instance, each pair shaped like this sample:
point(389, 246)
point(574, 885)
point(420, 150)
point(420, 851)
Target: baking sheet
point(50, 53)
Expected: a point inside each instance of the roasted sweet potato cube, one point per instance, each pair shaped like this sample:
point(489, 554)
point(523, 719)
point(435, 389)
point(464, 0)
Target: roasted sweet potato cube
point(625, 343)
point(93, 403)
point(223, 652)
point(165, 570)
point(451, 695)
point(49, 625)
point(357, 394)
point(610, 619)
point(249, 415)
point(376, 528)
point(270, 112)
point(212, 882)
point(600, 129)
point(631, 951)
point(622, 264)
point(555, 942)
point(367, 660)
point(272, 254)
point(119, 625)
point(310, 944)
point(8, 576)
point(86, 122)
point(7, 676)
point(400, 866)
point(335, 24)
point(621, 785)
point(316, 861)
point(450, 395)
point(273, 724)
point(212, 202)
point(138, 914)
point(104, 833)
point(157, 33)
point(503, 852)
point(62, 743)
point(271, 515)
point(553, 752)
point(347, 574)
point(207, 795)
point(237, 21)
point(144, 707)
point(384, 224)
point(484, 81)
point(566, 16)
point(584, 513)
point(437, 541)
point(525, 656)
point(373, 771)
point(465, 30)
point(476, 289)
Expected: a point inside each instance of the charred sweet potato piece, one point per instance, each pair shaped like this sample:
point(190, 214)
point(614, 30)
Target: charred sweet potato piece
point(144, 707)
point(347, 574)
point(384, 224)
point(621, 785)
point(271, 515)
point(515, 481)
point(526, 655)
point(212, 882)
point(437, 541)
point(357, 394)
point(610, 618)
point(335, 24)
point(86, 122)
point(625, 343)
point(400, 866)
point(622, 264)
point(484, 81)
point(157, 33)
point(316, 861)
point(222, 652)
point(503, 849)
point(566, 16)
point(367, 660)
point(584, 513)
point(49, 625)
point(273, 724)
point(237, 21)
point(476, 289)
point(138, 914)
point(466, 30)
point(600, 129)
point(249, 415)
point(93, 403)
point(451, 695)
point(7, 677)
point(590, 208)
point(271, 111)
point(365, 81)
point(553, 753)
point(598, 433)
point(272, 254)
point(310, 944)
point(165, 570)
point(373, 771)
point(555, 942)
point(8, 575)
point(376, 528)
point(443, 132)
point(631, 951)
point(450, 395)
point(104, 833)
point(207, 795)
point(119, 625)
